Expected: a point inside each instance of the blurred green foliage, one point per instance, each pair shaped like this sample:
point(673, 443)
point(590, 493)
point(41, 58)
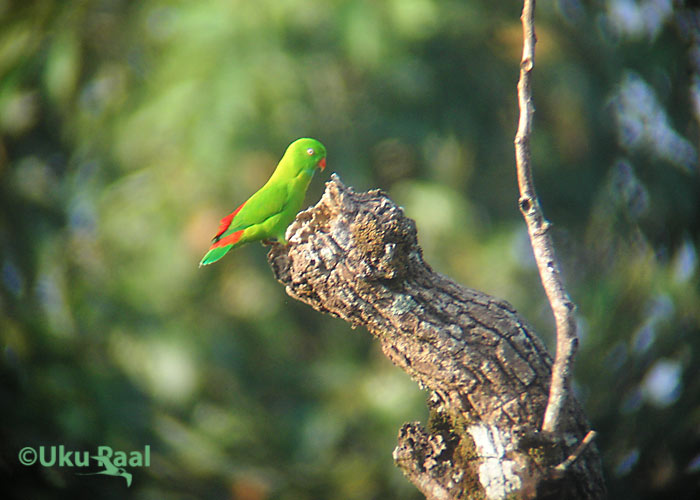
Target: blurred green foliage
point(127, 129)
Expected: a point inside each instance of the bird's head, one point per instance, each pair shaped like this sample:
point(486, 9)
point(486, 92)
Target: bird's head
point(308, 153)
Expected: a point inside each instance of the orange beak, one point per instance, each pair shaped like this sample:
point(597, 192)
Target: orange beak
point(322, 164)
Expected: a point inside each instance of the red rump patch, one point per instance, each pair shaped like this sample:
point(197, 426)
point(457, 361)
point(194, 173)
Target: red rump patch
point(226, 222)
point(231, 239)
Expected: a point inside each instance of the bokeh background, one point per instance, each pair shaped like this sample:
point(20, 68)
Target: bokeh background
point(127, 129)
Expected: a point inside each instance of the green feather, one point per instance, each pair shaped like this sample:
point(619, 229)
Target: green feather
point(267, 214)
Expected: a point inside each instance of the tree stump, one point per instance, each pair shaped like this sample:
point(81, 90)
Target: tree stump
point(356, 257)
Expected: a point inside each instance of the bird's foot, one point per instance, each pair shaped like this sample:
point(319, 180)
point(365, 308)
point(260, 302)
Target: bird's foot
point(274, 241)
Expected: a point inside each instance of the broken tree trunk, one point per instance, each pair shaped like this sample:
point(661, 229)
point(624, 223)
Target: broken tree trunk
point(356, 256)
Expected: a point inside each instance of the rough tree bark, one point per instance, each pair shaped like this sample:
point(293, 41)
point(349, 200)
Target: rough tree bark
point(356, 256)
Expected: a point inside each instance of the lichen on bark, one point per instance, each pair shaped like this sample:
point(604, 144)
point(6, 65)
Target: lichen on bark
point(356, 256)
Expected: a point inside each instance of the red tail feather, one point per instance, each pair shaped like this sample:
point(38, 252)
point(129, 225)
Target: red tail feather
point(231, 239)
point(225, 223)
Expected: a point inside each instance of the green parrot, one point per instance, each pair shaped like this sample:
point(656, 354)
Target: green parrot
point(267, 214)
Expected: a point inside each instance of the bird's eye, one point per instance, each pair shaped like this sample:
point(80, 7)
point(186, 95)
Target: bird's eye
point(310, 151)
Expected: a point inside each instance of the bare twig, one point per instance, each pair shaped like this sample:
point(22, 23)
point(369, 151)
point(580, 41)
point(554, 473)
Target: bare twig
point(538, 228)
point(560, 469)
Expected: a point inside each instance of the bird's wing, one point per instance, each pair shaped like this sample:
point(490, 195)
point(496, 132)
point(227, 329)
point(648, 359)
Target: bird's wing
point(268, 201)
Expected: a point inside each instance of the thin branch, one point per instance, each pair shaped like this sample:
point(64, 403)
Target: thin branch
point(538, 229)
point(560, 469)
